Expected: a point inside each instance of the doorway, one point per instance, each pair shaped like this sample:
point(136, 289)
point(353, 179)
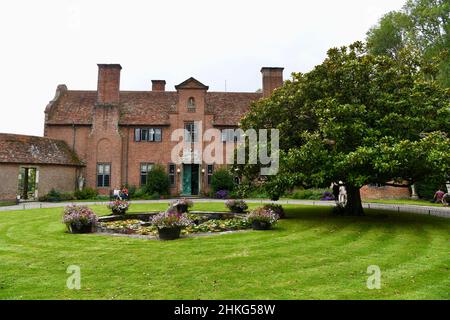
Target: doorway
point(191, 179)
point(28, 179)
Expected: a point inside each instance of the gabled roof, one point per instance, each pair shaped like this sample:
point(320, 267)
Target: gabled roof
point(191, 83)
point(23, 149)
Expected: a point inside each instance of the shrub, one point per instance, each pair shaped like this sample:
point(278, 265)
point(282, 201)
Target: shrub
point(221, 194)
point(263, 215)
point(56, 196)
point(222, 179)
point(157, 181)
point(86, 194)
point(427, 187)
point(309, 194)
point(278, 209)
point(79, 216)
point(154, 196)
point(140, 193)
point(53, 196)
point(236, 206)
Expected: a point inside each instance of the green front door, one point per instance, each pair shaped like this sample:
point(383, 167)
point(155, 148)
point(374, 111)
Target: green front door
point(187, 179)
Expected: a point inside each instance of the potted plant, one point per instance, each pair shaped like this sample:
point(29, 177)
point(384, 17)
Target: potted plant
point(236, 206)
point(182, 205)
point(118, 207)
point(278, 209)
point(170, 223)
point(79, 219)
point(262, 219)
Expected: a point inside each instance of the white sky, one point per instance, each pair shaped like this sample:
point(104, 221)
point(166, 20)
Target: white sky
point(45, 43)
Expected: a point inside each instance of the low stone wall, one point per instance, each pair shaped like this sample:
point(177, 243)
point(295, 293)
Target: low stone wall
point(384, 192)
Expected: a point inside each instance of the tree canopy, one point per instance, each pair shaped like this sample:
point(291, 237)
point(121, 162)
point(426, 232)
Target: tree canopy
point(358, 118)
point(422, 26)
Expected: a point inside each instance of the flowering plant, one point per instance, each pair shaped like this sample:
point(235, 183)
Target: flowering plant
point(182, 202)
point(236, 205)
point(79, 216)
point(118, 206)
point(278, 209)
point(222, 194)
point(327, 196)
point(263, 215)
point(171, 219)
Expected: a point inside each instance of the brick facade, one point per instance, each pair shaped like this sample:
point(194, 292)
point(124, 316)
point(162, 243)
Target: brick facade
point(384, 192)
point(100, 125)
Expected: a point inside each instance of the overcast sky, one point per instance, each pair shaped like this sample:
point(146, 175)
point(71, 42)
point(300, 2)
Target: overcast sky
point(46, 43)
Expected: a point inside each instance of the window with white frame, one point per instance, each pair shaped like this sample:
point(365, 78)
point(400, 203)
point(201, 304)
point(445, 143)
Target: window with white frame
point(103, 175)
point(148, 134)
point(145, 169)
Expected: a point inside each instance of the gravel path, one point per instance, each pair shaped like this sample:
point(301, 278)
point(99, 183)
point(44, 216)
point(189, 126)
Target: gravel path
point(428, 210)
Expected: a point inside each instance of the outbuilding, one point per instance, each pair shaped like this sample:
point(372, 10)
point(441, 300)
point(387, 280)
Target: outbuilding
point(31, 166)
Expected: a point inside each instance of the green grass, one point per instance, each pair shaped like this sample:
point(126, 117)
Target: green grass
point(407, 202)
point(310, 255)
point(7, 203)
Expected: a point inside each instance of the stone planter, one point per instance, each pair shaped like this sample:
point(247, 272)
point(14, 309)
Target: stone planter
point(261, 225)
point(169, 233)
point(118, 212)
point(182, 208)
point(74, 228)
point(237, 210)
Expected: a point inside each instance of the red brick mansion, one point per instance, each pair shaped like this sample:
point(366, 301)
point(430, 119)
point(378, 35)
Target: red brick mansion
point(107, 138)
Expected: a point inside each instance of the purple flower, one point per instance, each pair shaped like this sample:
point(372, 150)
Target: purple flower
point(222, 194)
point(79, 215)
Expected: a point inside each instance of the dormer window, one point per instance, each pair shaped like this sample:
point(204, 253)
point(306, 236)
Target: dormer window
point(191, 104)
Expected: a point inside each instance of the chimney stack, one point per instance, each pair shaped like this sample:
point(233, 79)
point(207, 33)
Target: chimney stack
point(158, 85)
point(272, 79)
point(108, 86)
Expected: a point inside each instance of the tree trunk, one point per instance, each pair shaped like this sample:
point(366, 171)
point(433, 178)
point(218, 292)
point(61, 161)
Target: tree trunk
point(354, 205)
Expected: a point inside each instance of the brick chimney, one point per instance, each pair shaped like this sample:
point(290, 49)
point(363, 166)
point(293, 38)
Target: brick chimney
point(158, 85)
point(272, 78)
point(108, 86)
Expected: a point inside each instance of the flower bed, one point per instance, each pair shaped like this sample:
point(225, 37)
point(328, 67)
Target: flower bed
point(201, 223)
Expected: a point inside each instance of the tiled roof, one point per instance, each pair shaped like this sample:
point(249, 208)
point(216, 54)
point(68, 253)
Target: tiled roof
point(35, 150)
point(146, 107)
point(229, 107)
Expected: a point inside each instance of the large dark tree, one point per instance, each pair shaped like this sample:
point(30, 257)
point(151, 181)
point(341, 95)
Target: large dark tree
point(357, 118)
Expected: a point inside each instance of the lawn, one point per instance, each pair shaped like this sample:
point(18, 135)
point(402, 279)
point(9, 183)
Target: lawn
point(7, 203)
point(310, 255)
point(407, 202)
